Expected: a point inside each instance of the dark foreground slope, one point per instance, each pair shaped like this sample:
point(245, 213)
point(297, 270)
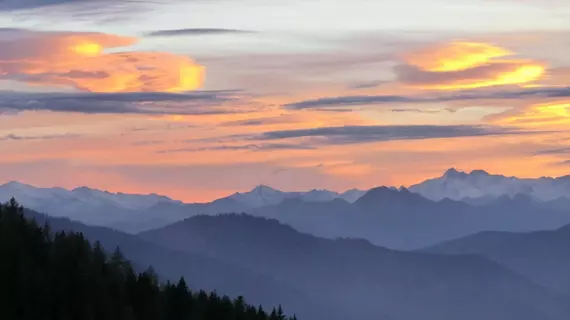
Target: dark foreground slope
point(62, 276)
point(369, 282)
point(542, 256)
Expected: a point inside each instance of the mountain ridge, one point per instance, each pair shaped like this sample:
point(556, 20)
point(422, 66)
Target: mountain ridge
point(512, 205)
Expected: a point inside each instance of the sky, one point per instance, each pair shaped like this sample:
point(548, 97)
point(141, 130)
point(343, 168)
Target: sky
point(198, 99)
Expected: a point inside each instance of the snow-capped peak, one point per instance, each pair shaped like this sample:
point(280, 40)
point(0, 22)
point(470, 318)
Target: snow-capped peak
point(33, 196)
point(265, 189)
point(458, 185)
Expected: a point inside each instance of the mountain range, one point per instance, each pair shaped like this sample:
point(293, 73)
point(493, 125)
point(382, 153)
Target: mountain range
point(134, 212)
point(454, 205)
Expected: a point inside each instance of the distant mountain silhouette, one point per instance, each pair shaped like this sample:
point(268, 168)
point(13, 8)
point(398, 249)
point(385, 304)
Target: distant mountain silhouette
point(90, 206)
point(542, 256)
point(458, 185)
point(368, 282)
point(400, 219)
point(134, 213)
point(387, 216)
point(264, 195)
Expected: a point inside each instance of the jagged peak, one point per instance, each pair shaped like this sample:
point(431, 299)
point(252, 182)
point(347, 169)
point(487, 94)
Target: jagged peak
point(264, 188)
point(386, 194)
point(318, 190)
point(380, 191)
point(82, 189)
point(16, 184)
point(454, 173)
point(479, 172)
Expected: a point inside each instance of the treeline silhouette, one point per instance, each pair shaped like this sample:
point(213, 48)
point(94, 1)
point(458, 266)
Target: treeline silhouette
point(61, 276)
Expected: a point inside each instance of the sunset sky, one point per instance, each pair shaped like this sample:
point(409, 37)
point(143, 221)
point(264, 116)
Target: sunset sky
point(198, 99)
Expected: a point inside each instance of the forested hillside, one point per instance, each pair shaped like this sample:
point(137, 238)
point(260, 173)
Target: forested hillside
point(61, 276)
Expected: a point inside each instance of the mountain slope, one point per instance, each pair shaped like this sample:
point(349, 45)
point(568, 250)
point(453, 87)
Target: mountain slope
point(542, 256)
point(368, 281)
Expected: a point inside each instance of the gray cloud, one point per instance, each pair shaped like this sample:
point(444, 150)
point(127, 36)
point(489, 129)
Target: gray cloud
point(253, 122)
point(464, 95)
point(14, 137)
point(28, 4)
point(147, 143)
point(416, 110)
point(362, 134)
point(564, 150)
point(368, 85)
point(99, 5)
point(282, 118)
point(93, 12)
point(250, 147)
point(195, 32)
point(191, 103)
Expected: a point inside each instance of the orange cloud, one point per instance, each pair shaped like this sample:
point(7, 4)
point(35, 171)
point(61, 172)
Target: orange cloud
point(80, 60)
point(520, 74)
point(550, 115)
point(455, 56)
point(467, 65)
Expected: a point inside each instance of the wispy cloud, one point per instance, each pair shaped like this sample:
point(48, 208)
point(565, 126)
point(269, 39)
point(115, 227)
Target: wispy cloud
point(362, 134)
point(29, 4)
point(192, 103)
point(247, 147)
point(14, 137)
point(195, 32)
point(93, 10)
point(563, 150)
point(416, 110)
point(466, 95)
